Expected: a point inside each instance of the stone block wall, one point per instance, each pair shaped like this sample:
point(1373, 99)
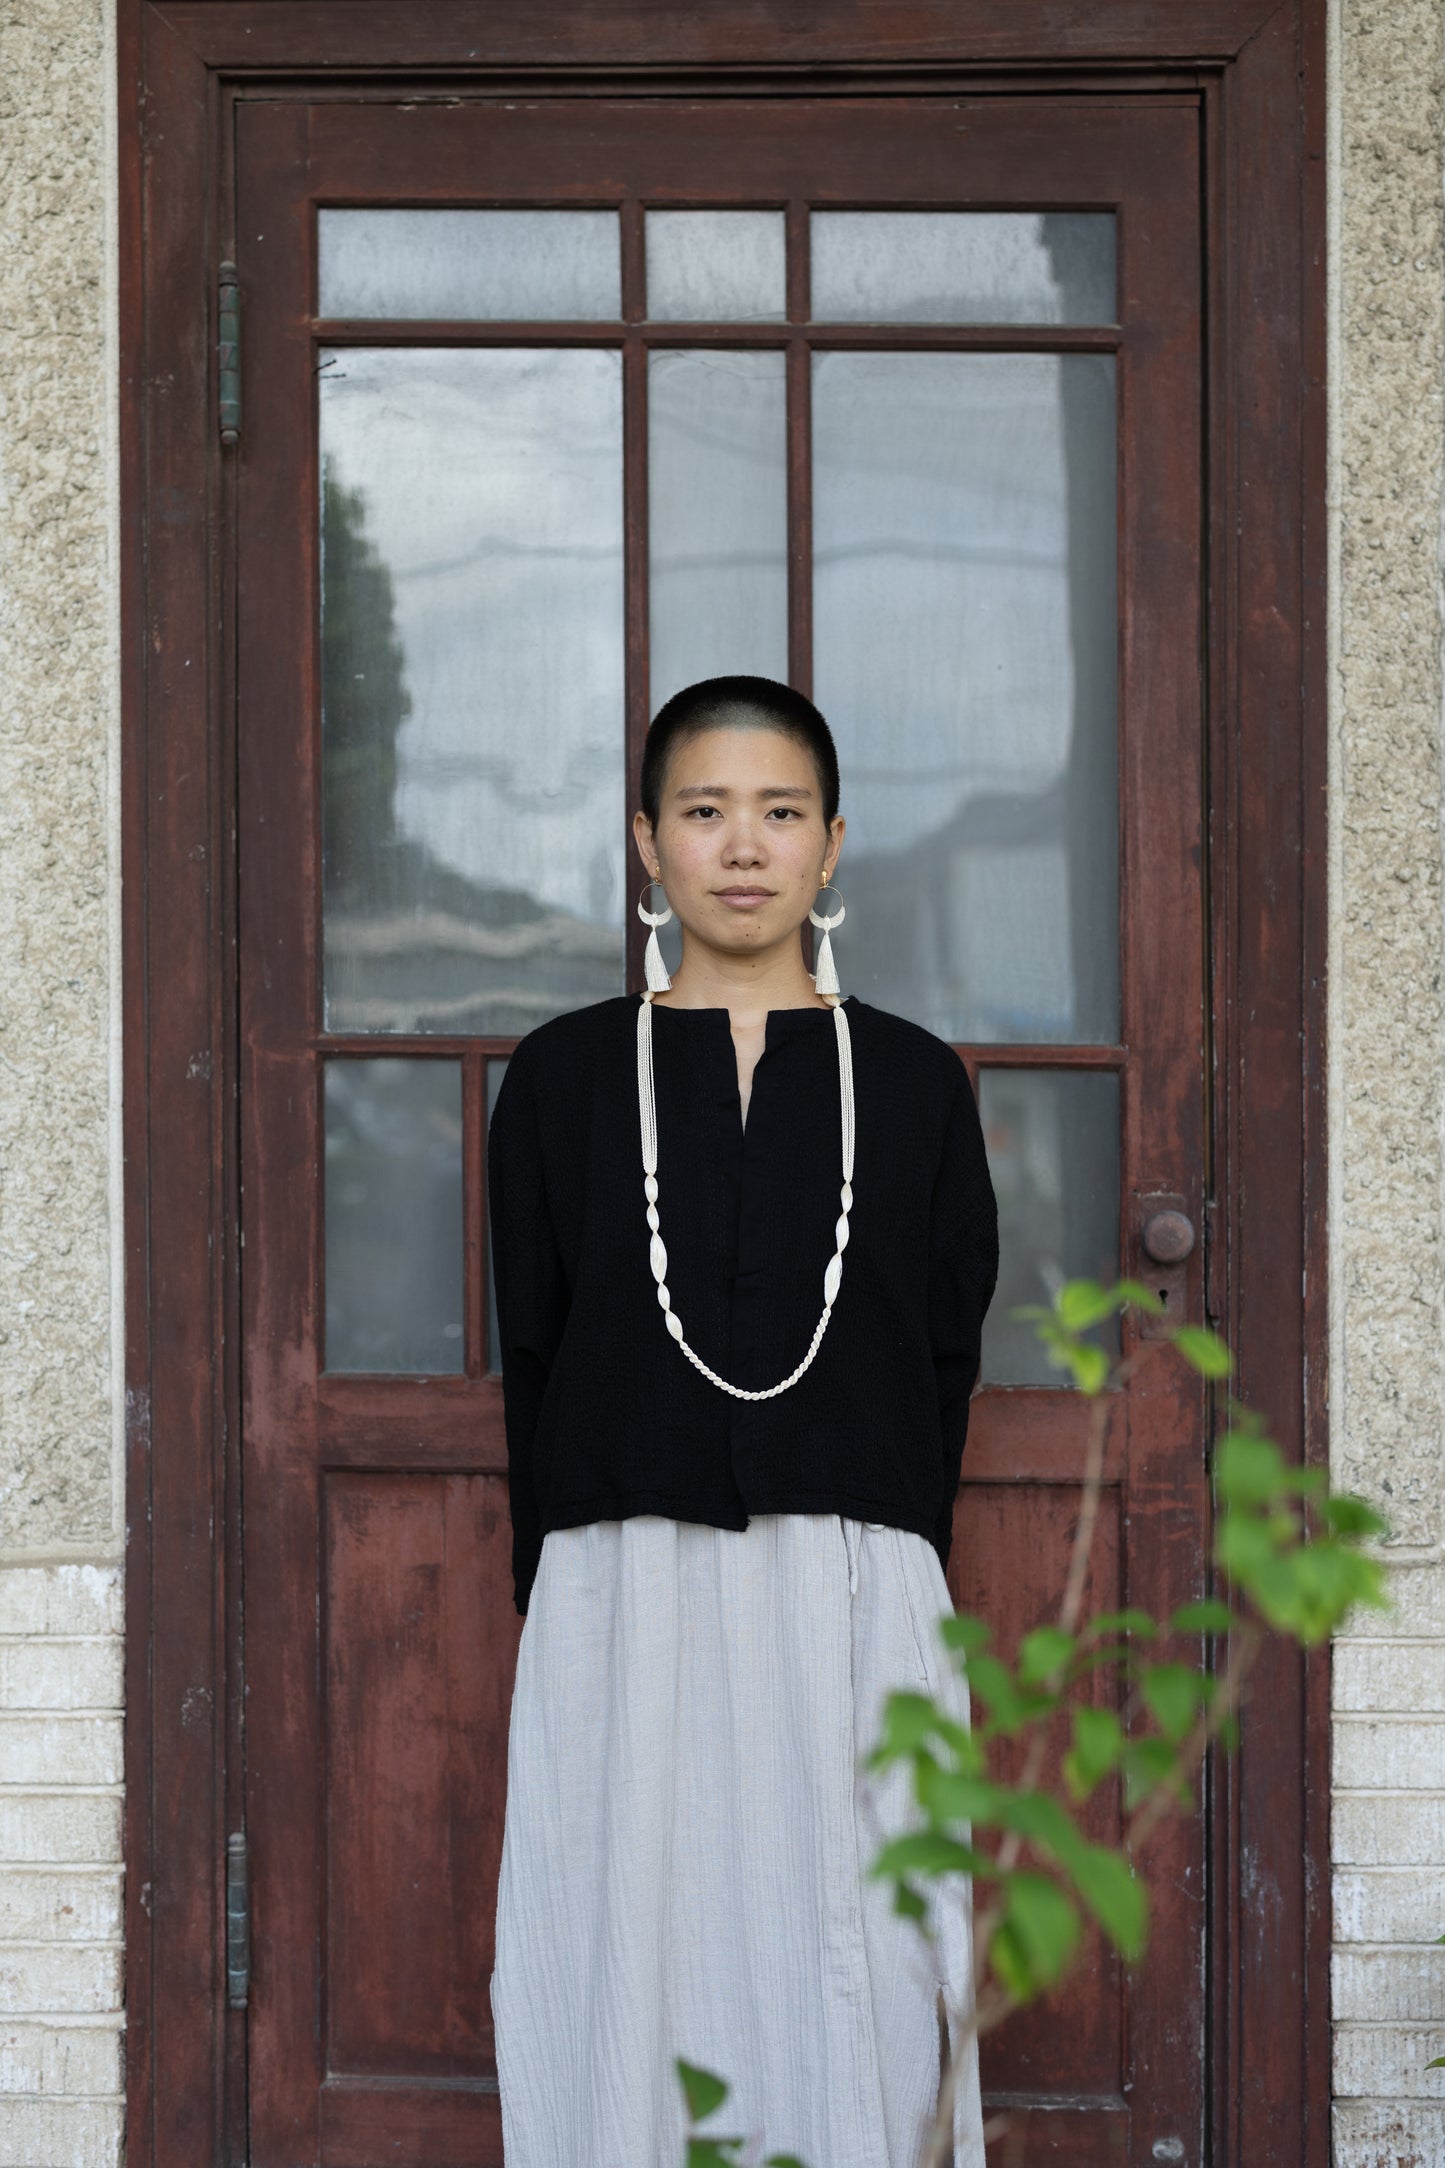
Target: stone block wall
point(61, 1464)
point(1387, 1062)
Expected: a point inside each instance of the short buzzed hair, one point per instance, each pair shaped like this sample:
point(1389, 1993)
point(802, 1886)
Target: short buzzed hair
point(737, 703)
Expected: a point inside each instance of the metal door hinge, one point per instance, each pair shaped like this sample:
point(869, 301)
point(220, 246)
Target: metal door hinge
point(228, 354)
point(238, 1920)
point(1213, 1293)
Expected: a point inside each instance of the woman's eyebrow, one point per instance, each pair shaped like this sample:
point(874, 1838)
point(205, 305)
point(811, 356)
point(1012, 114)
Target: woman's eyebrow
point(720, 790)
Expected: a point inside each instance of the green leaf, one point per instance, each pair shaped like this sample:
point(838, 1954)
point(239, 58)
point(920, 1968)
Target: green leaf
point(964, 1631)
point(1347, 1515)
point(1009, 1961)
point(1044, 1820)
point(1009, 1704)
point(908, 1720)
point(1245, 1549)
point(1082, 1303)
point(922, 1851)
point(714, 2152)
point(1121, 1622)
point(703, 2089)
point(1173, 1692)
point(1091, 1367)
point(1145, 1762)
point(1042, 1653)
point(1098, 1744)
point(1045, 1925)
point(1116, 1897)
point(1436, 2063)
point(907, 1902)
point(1248, 1468)
point(954, 1795)
point(1142, 1297)
point(783, 2160)
point(1208, 1616)
point(1204, 1349)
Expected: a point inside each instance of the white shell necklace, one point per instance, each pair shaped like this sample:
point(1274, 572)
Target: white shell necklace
point(832, 1278)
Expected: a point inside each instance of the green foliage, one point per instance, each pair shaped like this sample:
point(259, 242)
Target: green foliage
point(704, 2092)
point(1277, 1570)
point(1289, 1560)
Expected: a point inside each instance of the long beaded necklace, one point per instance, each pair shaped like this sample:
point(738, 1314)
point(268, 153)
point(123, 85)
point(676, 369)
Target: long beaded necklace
point(832, 1278)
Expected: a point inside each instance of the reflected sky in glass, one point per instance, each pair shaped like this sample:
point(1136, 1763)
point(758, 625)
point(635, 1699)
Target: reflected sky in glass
point(717, 517)
point(1053, 1151)
point(965, 657)
point(473, 685)
point(394, 1216)
point(521, 265)
point(963, 267)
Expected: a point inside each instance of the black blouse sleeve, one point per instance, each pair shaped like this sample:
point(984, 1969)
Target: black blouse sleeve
point(532, 1294)
point(962, 1272)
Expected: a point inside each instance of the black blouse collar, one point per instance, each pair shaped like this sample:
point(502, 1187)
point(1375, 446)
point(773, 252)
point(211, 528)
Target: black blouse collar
point(779, 1023)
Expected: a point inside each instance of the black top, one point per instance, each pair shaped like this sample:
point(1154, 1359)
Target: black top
point(605, 1415)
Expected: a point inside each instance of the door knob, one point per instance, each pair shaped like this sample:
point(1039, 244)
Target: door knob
point(1168, 1237)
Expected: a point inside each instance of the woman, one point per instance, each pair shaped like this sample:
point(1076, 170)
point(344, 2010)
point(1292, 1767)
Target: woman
point(736, 1399)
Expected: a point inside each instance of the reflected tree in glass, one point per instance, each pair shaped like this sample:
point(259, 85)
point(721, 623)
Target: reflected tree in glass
point(365, 701)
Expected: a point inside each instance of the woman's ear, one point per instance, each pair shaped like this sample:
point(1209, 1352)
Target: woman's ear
point(642, 836)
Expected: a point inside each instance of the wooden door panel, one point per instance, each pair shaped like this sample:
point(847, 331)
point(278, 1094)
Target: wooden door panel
point(381, 1638)
point(1008, 1542)
point(420, 1642)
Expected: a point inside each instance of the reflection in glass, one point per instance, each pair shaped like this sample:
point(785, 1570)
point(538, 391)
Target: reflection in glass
point(963, 267)
point(472, 686)
point(717, 517)
point(965, 639)
point(520, 266)
point(1053, 1152)
point(394, 1216)
point(706, 267)
point(496, 1070)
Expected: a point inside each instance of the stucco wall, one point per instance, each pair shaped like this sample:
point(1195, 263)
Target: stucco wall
point(1387, 1067)
point(61, 1483)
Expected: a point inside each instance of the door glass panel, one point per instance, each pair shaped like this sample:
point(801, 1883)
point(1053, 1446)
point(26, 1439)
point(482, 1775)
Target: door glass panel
point(963, 267)
point(1053, 1151)
point(717, 517)
point(965, 635)
point(716, 267)
point(394, 1216)
point(520, 266)
point(472, 685)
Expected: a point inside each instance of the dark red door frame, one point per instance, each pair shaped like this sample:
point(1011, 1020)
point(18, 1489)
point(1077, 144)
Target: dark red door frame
point(1259, 71)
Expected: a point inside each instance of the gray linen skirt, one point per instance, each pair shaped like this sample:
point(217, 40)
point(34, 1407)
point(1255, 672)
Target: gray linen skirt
point(687, 1825)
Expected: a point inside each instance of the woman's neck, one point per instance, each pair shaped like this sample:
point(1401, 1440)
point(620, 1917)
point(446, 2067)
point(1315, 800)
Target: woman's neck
point(747, 996)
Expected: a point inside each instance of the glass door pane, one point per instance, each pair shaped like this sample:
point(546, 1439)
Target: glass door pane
point(965, 654)
point(472, 644)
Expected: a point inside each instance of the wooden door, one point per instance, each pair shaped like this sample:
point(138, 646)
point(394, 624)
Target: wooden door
point(554, 404)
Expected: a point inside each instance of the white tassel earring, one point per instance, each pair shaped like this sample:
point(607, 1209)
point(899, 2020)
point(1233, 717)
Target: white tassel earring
point(657, 979)
point(825, 977)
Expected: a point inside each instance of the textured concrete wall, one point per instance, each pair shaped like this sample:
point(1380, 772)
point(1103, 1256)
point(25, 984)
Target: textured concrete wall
point(61, 1481)
point(1387, 1066)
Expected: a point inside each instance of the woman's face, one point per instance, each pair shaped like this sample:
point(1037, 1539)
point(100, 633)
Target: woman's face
point(740, 838)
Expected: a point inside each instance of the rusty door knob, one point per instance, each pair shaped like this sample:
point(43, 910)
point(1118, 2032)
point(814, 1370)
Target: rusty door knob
point(1168, 1237)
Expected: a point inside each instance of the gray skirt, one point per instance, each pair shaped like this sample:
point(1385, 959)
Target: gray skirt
point(687, 1824)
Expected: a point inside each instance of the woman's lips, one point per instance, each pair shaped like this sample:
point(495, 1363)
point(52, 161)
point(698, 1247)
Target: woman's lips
point(743, 899)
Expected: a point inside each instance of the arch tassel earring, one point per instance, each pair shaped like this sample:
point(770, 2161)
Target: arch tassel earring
point(825, 978)
point(656, 970)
